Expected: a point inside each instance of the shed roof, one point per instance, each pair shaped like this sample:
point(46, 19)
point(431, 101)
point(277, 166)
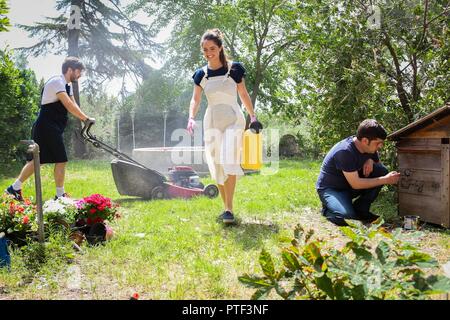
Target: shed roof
point(421, 123)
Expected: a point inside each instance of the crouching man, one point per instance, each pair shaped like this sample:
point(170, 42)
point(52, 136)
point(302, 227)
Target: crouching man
point(352, 170)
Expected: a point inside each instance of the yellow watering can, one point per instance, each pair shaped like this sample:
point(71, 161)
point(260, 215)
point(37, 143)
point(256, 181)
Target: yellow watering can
point(252, 147)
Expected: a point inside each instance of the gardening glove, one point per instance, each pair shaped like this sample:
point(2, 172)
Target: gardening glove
point(255, 125)
point(190, 126)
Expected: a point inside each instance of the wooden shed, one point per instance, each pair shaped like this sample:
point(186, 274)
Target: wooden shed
point(424, 163)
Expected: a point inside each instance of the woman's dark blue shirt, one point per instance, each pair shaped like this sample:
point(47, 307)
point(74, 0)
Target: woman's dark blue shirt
point(237, 72)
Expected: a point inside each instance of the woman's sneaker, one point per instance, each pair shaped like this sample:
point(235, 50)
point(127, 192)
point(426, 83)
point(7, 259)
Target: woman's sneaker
point(17, 194)
point(228, 217)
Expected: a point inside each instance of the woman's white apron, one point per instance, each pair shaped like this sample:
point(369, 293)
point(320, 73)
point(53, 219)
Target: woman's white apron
point(224, 125)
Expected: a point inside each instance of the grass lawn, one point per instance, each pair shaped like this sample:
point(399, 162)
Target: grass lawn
point(175, 249)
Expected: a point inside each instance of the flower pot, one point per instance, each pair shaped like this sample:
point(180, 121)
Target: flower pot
point(63, 222)
point(97, 233)
point(109, 233)
point(5, 258)
point(78, 237)
point(19, 238)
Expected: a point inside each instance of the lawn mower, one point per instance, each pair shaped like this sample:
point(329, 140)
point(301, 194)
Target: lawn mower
point(134, 179)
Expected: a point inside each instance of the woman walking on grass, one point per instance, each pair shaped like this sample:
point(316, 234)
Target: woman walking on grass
point(221, 80)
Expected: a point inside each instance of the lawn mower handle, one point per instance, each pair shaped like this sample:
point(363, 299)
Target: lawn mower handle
point(85, 134)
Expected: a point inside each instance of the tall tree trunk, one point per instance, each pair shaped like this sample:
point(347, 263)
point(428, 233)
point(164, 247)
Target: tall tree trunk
point(80, 150)
point(401, 92)
point(415, 91)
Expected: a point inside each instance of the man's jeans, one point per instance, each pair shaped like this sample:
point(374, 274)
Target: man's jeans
point(337, 204)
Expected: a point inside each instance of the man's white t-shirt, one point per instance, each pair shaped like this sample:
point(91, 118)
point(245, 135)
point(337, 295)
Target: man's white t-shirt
point(54, 86)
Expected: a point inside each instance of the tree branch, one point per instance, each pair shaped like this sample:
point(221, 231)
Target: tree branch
point(402, 94)
point(267, 61)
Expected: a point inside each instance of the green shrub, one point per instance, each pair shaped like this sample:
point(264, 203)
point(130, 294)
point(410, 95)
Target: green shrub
point(373, 265)
point(19, 92)
point(57, 251)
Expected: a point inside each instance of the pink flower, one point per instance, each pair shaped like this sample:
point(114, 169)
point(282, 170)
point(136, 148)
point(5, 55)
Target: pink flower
point(79, 204)
point(25, 220)
point(97, 208)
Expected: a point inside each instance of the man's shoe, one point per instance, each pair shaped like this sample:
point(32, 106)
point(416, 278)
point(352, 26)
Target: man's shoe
point(17, 194)
point(65, 195)
point(370, 217)
point(340, 222)
point(228, 217)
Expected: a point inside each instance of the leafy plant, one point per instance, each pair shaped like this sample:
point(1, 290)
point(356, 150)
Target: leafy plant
point(16, 218)
point(60, 209)
point(374, 265)
point(56, 250)
point(96, 208)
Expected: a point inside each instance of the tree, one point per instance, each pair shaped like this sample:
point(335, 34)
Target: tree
point(103, 108)
point(256, 33)
point(4, 21)
point(394, 69)
point(19, 92)
point(109, 42)
point(161, 96)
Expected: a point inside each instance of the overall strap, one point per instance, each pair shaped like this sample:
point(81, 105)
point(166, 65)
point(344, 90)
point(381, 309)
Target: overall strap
point(205, 77)
point(230, 63)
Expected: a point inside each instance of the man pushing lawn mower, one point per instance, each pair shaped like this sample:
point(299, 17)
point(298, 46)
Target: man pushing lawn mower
point(56, 101)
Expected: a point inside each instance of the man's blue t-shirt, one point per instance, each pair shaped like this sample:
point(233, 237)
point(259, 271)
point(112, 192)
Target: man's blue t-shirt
point(344, 156)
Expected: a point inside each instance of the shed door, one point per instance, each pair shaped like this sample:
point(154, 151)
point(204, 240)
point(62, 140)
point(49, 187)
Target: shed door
point(420, 185)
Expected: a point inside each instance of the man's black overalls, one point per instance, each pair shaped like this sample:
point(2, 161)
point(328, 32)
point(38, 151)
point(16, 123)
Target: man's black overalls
point(48, 131)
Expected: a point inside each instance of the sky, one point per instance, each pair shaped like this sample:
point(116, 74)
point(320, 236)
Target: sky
point(30, 11)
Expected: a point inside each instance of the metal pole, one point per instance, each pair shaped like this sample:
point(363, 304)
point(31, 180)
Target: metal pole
point(118, 131)
point(132, 128)
point(33, 148)
point(165, 118)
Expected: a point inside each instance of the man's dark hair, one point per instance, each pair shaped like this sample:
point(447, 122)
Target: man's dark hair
point(72, 62)
point(371, 130)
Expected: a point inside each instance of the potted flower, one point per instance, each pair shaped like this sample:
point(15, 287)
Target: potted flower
point(62, 211)
point(92, 213)
point(17, 219)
